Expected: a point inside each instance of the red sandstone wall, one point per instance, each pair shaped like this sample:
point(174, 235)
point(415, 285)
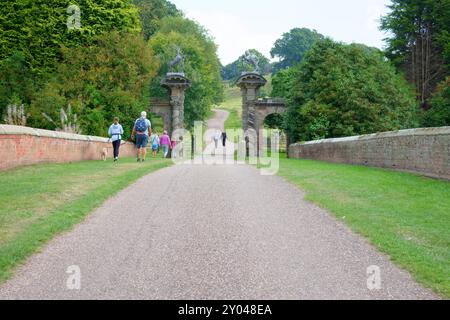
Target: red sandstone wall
point(26, 146)
point(425, 151)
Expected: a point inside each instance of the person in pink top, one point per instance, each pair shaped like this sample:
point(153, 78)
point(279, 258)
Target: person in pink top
point(165, 144)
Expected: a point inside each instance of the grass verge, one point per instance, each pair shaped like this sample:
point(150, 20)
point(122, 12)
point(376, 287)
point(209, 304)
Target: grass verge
point(403, 215)
point(39, 202)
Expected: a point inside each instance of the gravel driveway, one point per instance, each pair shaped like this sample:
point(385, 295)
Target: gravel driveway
point(210, 232)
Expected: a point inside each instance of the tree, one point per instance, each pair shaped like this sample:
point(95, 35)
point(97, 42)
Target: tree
point(439, 113)
point(292, 47)
point(107, 79)
point(38, 28)
point(282, 83)
point(151, 12)
point(201, 65)
point(234, 70)
point(420, 42)
point(17, 82)
point(344, 90)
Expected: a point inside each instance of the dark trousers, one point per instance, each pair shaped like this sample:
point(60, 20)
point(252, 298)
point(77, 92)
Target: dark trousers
point(116, 147)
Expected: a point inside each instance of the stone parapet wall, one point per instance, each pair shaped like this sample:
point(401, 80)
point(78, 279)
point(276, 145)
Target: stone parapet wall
point(21, 146)
point(425, 151)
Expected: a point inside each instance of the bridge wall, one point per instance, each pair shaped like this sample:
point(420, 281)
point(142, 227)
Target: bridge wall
point(21, 146)
point(424, 151)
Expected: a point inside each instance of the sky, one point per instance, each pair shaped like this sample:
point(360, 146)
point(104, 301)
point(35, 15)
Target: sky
point(238, 25)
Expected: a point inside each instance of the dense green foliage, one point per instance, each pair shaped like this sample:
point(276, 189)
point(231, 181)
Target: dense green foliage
point(282, 83)
point(234, 70)
point(201, 65)
point(152, 12)
point(102, 68)
point(292, 47)
point(38, 28)
point(32, 34)
point(343, 90)
point(439, 113)
point(420, 42)
point(108, 79)
point(17, 82)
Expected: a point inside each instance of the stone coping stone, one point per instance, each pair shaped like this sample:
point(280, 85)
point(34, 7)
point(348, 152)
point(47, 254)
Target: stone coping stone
point(19, 130)
point(391, 134)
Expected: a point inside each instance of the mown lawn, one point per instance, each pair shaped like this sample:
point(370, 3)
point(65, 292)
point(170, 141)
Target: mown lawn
point(39, 202)
point(404, 215)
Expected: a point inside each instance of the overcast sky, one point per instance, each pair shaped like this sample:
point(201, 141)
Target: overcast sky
point(238, 25)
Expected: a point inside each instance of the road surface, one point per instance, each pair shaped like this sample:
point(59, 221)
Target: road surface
point(210, 232)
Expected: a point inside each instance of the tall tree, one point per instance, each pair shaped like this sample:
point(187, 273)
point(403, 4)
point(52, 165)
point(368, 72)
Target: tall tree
point(420, 42)
point(439, 113)
point(343, 90)
point(152, 11)
point(101, 81)
point(201, 64)
point(293, 45)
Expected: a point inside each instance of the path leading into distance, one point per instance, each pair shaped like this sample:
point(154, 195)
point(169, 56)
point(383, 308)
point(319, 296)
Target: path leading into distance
point(210, 232)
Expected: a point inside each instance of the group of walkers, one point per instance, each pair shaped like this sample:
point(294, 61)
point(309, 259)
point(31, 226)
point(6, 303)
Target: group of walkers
point(142, 134)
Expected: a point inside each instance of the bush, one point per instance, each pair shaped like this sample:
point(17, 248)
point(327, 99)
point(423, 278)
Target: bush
point(439, 114)
point(100, 82)
point(343, 90)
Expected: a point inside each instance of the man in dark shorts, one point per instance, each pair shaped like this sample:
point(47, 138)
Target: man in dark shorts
point(142, 130)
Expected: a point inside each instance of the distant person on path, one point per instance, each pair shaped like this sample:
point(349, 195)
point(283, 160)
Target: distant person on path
point(165, 144)
point(115, 132)
point(217, 136)
point(224, 139)
point(142, 129)
point(155, 143)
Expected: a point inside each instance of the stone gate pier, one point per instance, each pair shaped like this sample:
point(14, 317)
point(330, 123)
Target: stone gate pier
point(172, 110)
point(256, 110)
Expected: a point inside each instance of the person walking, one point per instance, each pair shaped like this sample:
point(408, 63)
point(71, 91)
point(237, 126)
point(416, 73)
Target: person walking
point(115, 132)
point(224, 139)
point(155, 143)
point(216, 137)
point(142, 130)
point(165, 143)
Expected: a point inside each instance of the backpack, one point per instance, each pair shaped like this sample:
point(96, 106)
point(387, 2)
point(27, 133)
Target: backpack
point(141, 125)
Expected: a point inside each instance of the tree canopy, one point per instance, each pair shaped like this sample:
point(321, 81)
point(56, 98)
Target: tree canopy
point(38, 28)
point(101, 81)
point(420, 42)
point(343, 90)
point(292, 47)
point(201, 64)
point(152, 12)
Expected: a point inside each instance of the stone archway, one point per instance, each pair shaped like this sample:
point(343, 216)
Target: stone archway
point(254, 109)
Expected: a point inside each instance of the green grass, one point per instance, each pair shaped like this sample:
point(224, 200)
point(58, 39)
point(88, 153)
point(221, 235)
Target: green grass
point(405, 216)
point(232, 104)
point(39, 202)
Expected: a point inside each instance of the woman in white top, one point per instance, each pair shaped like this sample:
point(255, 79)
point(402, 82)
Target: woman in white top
point(116, 132)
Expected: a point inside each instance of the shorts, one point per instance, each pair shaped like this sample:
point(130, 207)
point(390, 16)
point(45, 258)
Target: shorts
point(141, 141)
point(155, 147)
